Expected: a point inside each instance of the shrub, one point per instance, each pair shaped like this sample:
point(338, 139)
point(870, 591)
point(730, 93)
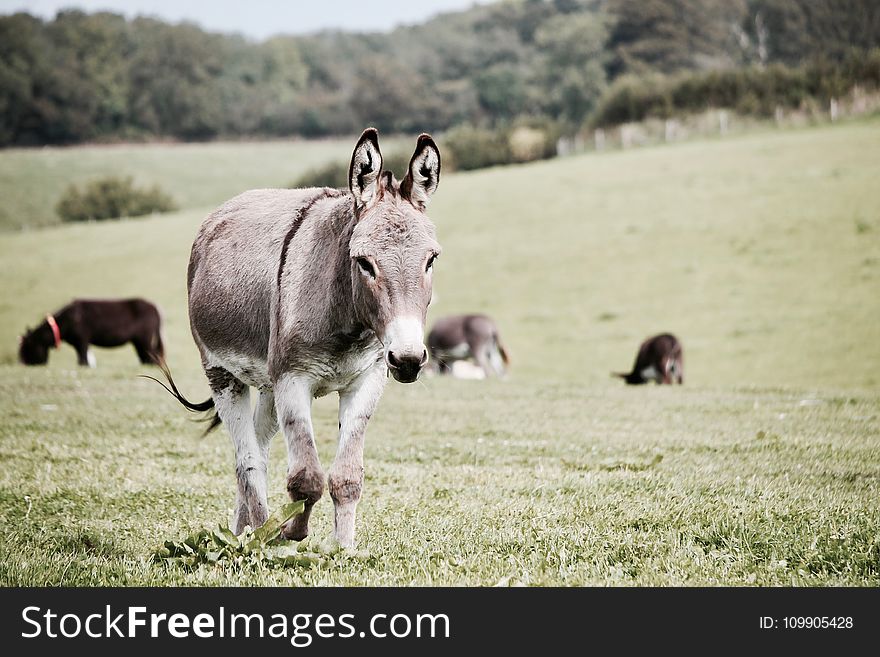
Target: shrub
point(469, 147)
point(332, 174)
point(396, 162)
point(533, 139)
point(755, 91)
point(111, 198)
point(526, 144)
point(464, 147)
point(335, 174)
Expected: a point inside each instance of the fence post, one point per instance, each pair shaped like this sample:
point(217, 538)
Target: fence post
point(722, 122)
point(562, 147)
point(834, 110)
point(599, 139)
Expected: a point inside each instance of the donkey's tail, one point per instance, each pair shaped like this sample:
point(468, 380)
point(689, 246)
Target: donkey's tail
point(157, 353)
point(501, 350)
point(212, 418)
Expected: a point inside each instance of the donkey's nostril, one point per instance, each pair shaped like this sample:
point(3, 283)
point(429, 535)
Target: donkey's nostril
point(405, 368)
point(424, 357)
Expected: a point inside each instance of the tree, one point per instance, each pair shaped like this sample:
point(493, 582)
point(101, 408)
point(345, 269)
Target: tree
point(23, 61)
point(571, 72)
point(174, 74)
point(798, 30)
point(674, 35)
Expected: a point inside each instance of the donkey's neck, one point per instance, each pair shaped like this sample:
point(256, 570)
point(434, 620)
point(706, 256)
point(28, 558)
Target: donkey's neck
point(318, 328)
point(316, 298)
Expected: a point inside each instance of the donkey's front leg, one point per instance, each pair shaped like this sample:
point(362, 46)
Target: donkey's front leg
point(305, 478)
point(356, 405)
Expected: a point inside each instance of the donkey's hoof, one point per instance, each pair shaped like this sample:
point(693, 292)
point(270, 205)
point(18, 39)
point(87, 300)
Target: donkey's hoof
point(295, 529)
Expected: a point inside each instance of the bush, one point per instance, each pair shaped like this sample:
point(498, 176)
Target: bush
point(332, 174)
point(754, 91)
point(469, 147)
point(464, 147)
point(533, 139)
point(335, 174)
point(396, 162)
point(111, 198)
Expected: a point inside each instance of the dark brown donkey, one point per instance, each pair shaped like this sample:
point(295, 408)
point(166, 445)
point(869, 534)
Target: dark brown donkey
point(101, 322)
point(659, 359)
point(303, 292)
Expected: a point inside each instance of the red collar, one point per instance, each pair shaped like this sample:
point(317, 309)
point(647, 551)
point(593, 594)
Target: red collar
point(55, 330)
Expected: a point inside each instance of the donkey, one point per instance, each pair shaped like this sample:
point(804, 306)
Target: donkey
point(463, 337)
point(304, 292)
point(101, 322)
point(660, 359)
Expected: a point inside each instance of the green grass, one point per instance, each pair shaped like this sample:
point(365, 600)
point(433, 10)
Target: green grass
point(761, 252)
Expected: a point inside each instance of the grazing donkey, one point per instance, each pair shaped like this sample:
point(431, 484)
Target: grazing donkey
point(101, 322)
point(464, 337)
point(659, 359)
point(304, 292)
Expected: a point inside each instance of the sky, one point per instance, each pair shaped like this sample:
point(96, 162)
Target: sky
point(259, 19)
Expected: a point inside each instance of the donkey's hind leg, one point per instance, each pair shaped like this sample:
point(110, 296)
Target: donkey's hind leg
point(265, 428)
point(482, 352)
point(232, 400)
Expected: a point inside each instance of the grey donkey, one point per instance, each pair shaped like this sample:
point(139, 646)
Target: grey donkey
point(464, 337)
point(304, 292)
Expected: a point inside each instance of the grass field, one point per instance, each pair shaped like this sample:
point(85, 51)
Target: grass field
point(762, 252)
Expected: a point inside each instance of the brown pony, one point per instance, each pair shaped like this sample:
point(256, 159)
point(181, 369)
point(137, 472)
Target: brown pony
point(101, 322)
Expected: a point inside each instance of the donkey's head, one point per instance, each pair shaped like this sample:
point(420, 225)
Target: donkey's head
point(392, 250)
point(33, 346)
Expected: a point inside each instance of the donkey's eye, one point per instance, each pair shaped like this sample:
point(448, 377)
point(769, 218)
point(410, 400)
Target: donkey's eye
point(366, 267)
point(430, 263)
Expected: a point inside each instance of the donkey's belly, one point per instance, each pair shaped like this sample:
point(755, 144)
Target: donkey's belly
point(246, 368)
point(456, 352)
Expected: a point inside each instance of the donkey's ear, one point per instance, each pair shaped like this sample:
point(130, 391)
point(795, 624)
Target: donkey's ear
point(423, 176)
point(366, 165)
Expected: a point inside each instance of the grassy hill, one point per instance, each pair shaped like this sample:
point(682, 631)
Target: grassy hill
point(761, 252)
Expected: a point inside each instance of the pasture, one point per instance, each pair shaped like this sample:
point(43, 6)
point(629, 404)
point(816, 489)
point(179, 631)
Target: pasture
point(761, 252)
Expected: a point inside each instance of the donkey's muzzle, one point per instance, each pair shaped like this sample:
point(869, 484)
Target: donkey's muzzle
point(405, 368)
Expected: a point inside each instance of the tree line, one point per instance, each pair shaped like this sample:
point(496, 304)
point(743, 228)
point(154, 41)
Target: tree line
point(101, 77)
